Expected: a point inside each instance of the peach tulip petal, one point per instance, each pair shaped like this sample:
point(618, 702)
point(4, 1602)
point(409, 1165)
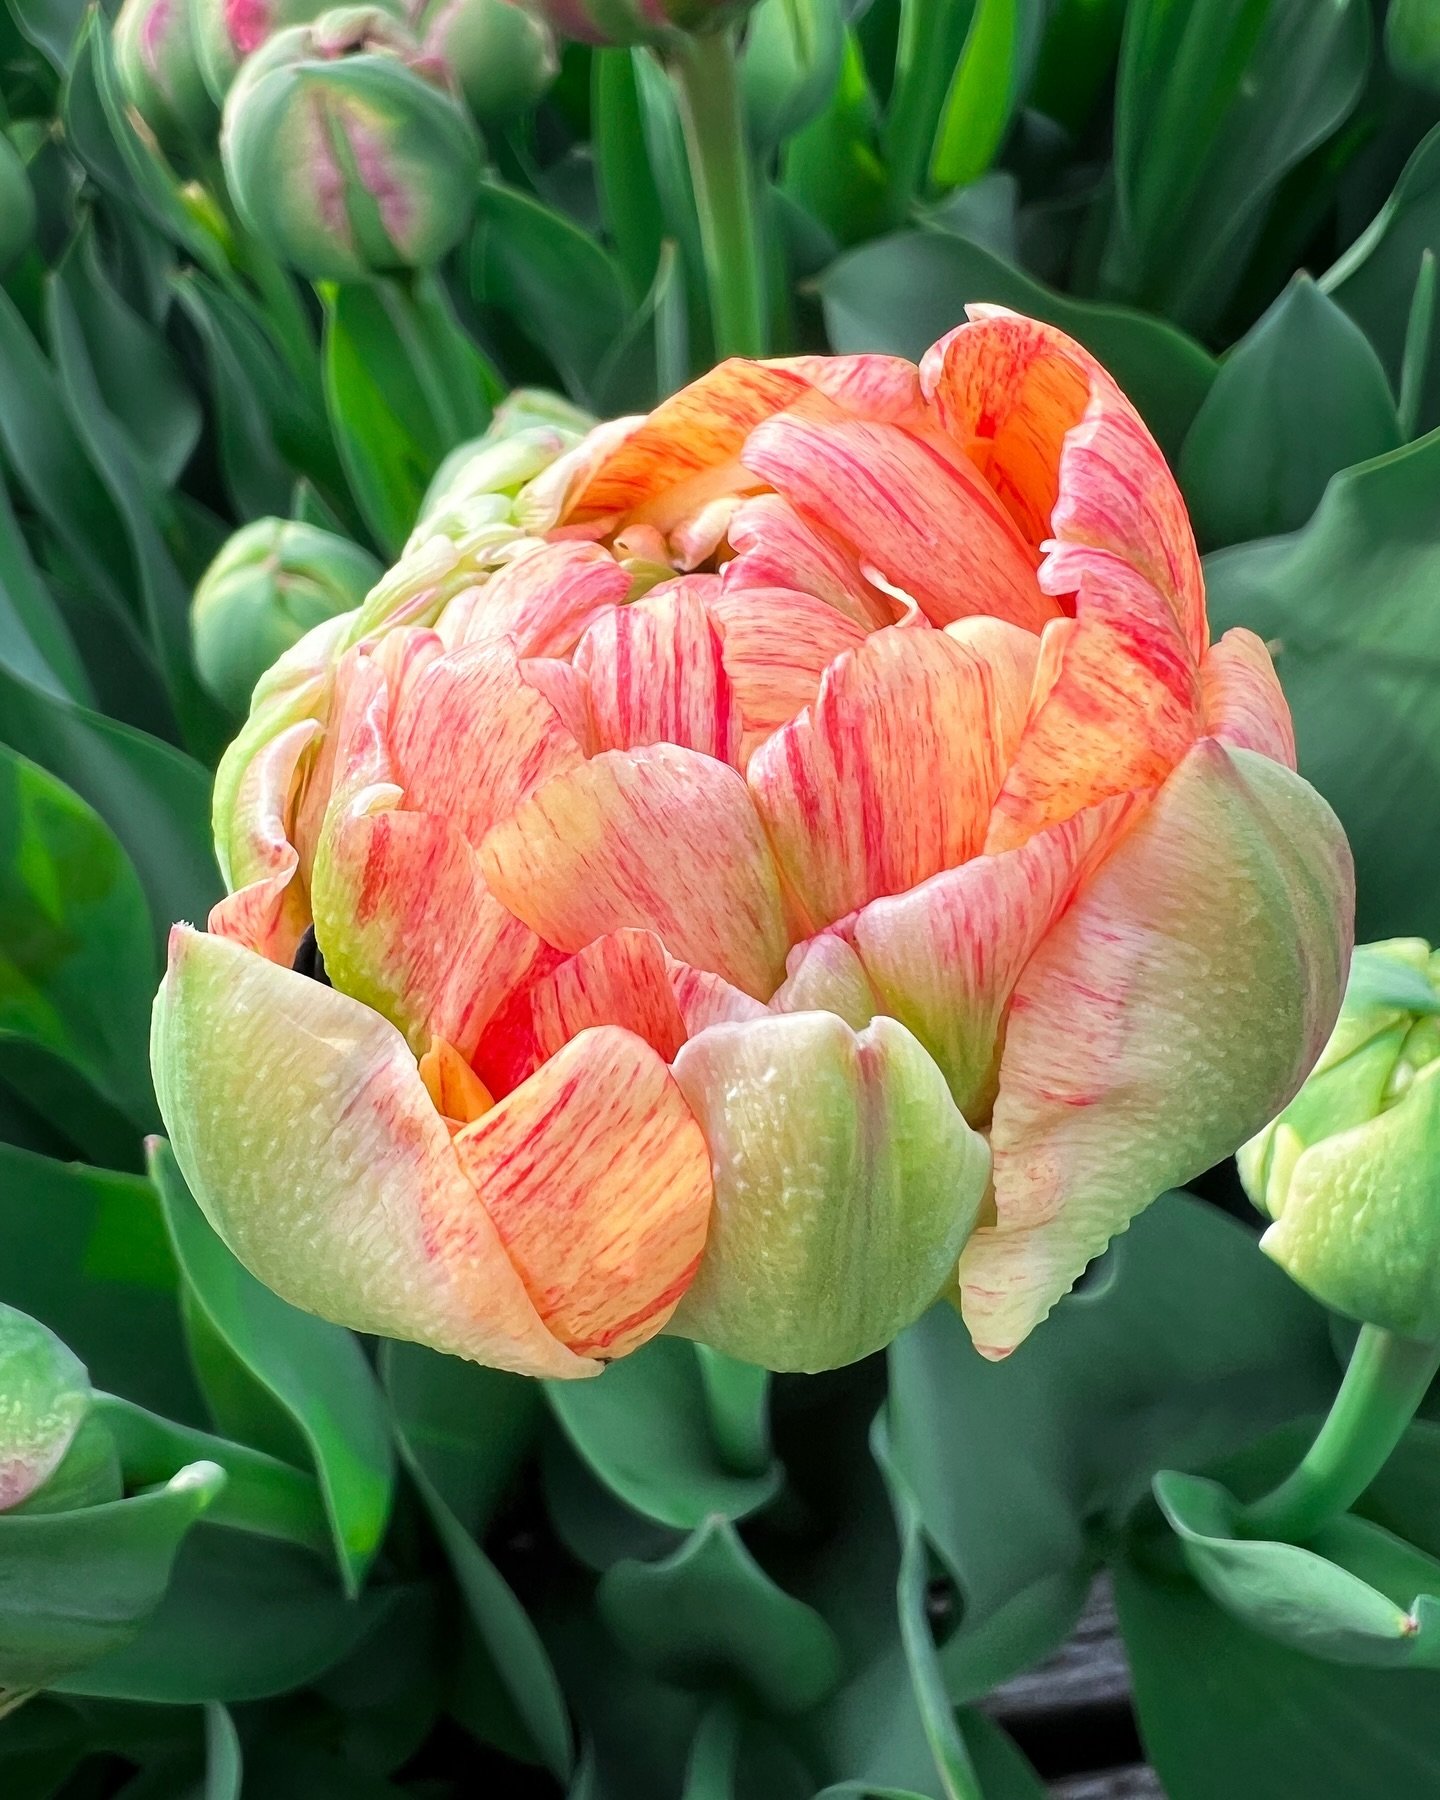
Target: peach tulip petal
point(870, 385)
point(1069, 456)
point(920, 515)
point(656, 674)
point(705, 999)
point(541, 602)
point(1173, 1009)
point(944, 958)
point(266, 909)
point(891, 776)
point(661, 839)
point(776, 548)
point(299, 1120)
point(596, 1178)
point(776, 646)
point(1242, 700)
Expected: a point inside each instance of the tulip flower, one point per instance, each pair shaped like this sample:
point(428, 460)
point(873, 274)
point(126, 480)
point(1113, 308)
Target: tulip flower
point(503, 59)
point(270, 584)
point(158, 67)
point(346, 148)
point(46, 1396)
point(1347, 1171)
point(649, 927)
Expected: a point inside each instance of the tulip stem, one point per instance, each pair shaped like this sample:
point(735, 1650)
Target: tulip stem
point(1387, 1379)
point(707, 89)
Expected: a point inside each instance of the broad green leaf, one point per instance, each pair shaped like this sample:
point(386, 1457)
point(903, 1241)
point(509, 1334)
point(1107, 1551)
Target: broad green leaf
point(261, 1494)
point(709, 1614)
point(1353, 1593)
point(902, 293)
point(79, 1585)
point(1418, 348)
point(1274, 1723)
point(987, 86)
point(737, 1395)
point(44, 1396)
point(50, 25)
point(35, 642)
point(1077, 59)
point(244, 1618)
point(316, 1371)
point(833, 167)
point(642, 1428)
point(1299, 398)
point(1347, 605)
point(931, 41)
point(552, 278)
point(85, 1251)
point(154, 798)
point(1216, 101)
point(1187, 1344)
point(256, 475)
point(77, 964)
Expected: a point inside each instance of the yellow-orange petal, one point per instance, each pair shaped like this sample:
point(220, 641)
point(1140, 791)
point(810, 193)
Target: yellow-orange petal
point(1242, 699)
point(596, 1177)
point(457, 1091)
point(892, 774)
point(267, 911)
point(661, 839)
point(299, 1120)
point(911, 508)
point(656, 675)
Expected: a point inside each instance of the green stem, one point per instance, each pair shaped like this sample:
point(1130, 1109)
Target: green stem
point(1387, 1379)
point(708, 92)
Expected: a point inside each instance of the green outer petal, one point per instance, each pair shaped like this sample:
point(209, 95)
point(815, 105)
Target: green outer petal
point(1175, 1006)
point(44, 1394)
point(846, 1180)
point(301, 1125)
point(1360, 1227)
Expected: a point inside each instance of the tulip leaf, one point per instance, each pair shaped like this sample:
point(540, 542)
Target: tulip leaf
point(642, 1428)
point(1214, 104)
point(77, 964)
point(1300, 397)
point(1276, 1724)
point(902, 293)
point(1014, 1468)
point(46, 1396)
point(244, 1618)
point(86, 1251)
point(987, 85)
point(35, 641)
point(833, 169)
point(315, 1371)
point(629, 200)
point(1347, 604)
point(224, 1769)
point(78, 1585)
point(737, 1396)
point(710, 1614)
point(790, 66)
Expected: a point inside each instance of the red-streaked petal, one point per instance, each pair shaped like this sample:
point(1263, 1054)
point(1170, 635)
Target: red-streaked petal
point(1172, 1010)
point(891, 776)
point(705, 999)
point(268, 911)
point(825, 975)
point(542, 602)
point(656, 675)
point(301, 1124)
point(596, 1177)
point(870, 385)
point(1123, 709)
point(944, 958)
point(476, 737)
point(662, 839)
point(1068, 454)
point(776, 548)
point(1242, 699)
point(777, 644)
point(622, 979)
point(912, 509)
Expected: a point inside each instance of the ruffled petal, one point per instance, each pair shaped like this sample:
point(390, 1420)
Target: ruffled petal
point(267, 912)
point(1242, 699)
point(300, 1121)
point(891, 776)
point(776, 548)
point(911, 508)
point(542, 602)
point(776, 646)
point(1173, 1009)
point(845, 1183)
point(662, 839)
point(595, 1176)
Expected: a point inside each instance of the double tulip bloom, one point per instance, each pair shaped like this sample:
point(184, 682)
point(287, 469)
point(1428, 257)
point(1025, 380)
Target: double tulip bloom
point(747, 864)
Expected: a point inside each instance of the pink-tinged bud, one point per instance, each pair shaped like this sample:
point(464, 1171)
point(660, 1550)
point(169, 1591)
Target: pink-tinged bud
point(605, 22)
point(347, 150)
point(502, 58)
point(158, 66)
point(44, 1396)
point(776, 859)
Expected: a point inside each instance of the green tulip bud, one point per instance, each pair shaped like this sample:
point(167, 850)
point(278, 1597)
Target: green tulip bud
point(158, 68)
point(346, 150)
point(634, 21)
point(1348, 1172)
point(1412, 42)
point(225, 32)
point(44, 1396)
point(17, 205)
point(503, 59)
point(270, 584)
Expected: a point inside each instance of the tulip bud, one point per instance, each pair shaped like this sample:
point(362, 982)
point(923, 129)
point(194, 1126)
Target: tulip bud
point(346, 151)
point(608, 22)
point(503, 59)
point(158, 67)
point(44, 1395)
point(271, 583)
point(17, 205)
point(1412, 42)
point(1347, 1172)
